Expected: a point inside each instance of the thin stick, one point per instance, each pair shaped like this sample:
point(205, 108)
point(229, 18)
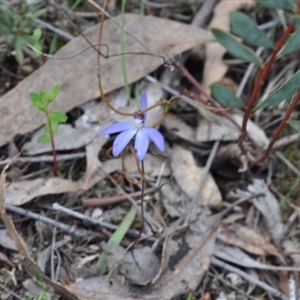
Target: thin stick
point(104, 201)
point(62, 226)
point(80, 216)
point(218, 263)
point(38, 159)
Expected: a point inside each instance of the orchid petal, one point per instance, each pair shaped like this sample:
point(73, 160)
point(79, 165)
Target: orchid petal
point(141, 144)
point(156, 137)
point(118, 127)
point(122, 140)
point(143, 101)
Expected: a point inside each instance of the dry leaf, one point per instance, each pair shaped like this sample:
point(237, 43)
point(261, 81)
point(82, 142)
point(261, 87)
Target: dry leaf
point(173, 200)
point(139, 266)
point(77, 77)
point(188, 176)
point(176, 127)
point(223, 126)
point(152, 165)
point(246, 238)
point(66, 138)
point(208, 131)
point(6, 241)
point(18, 193)
point(253, 130)
point(186, 260)
point(34, 290)
point(239, 257)
point(214, 67)
point(268, 207)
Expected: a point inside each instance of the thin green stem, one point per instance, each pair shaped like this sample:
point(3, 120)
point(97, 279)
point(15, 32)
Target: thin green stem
point(123, 61)
point(142, 8)
point(55, 163)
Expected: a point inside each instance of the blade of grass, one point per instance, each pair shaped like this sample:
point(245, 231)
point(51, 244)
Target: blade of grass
point(142, 8)
point(54, 42)
point(117, 237)
point(123, 61)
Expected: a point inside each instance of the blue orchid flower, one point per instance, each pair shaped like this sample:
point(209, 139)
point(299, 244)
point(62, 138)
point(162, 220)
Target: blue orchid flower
point(142, 134)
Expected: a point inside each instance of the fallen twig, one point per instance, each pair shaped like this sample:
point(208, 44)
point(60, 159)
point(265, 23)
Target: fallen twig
point(100, 202)
point(218, 263)
point(69, 229)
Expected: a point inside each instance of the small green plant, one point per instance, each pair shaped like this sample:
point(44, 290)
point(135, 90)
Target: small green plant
point(17, 28)
point(246, 29)
point(41, 101)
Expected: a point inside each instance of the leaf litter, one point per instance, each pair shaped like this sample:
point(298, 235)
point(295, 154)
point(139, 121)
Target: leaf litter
point(179, 255)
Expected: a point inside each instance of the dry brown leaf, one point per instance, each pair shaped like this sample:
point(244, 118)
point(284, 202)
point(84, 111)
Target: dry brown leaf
point(186, 260)
point(214, 67)
point(246, 238)
point(77, 77)
point(221, 128)
point(237, 256)
point(152, 165)
point(208, 131)
point(269, 207)
point(18, 193)
point(34, 290)
point(67, 137)
point(178, 128)
point(139, 266)
point(6, 241)
point(188, 176)
point(173, 199)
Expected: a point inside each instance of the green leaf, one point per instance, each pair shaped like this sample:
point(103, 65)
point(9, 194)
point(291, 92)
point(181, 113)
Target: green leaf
point(278, 4)
point(295, 124)
point(292, 44)
point(287, 90)
point(117, 237)
point(5, 29)
point(225, 97)
point(29, 39)
point(243, 26)
point(18, 50)
point(44, 139)
point(51, 95)
point(37, 33)
point(234, 47)
point(38, 102)
point(37, 47)
point(296, 20)
point(58, 116)
point(39, 13)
